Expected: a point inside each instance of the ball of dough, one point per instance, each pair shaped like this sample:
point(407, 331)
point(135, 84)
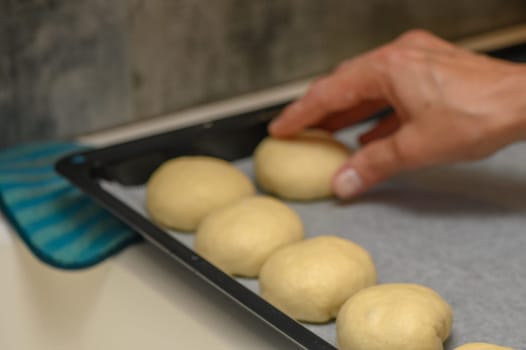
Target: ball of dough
point(482, 346)
point(310, 280)
point(185, 189)
point(394, 317)
point(300, 168)
point(239, 238)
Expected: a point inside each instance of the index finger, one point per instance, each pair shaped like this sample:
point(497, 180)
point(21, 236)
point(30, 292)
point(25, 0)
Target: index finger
point(360, 80)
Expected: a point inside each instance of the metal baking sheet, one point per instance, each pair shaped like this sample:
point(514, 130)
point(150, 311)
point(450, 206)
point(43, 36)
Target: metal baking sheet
point(460, 230)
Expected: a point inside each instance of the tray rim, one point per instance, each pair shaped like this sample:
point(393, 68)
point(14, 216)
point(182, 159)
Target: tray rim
point(78, 168)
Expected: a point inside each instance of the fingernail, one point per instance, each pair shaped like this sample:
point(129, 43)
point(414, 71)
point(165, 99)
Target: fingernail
point(348, 183)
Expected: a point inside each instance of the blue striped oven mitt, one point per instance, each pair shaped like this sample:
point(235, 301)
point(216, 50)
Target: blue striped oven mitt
point(60, 225)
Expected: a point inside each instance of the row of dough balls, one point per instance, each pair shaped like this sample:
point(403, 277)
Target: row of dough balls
point(184, 190)
point(310, 280)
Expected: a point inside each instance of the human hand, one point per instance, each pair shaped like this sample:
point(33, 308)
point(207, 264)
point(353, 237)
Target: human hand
point(449, 105)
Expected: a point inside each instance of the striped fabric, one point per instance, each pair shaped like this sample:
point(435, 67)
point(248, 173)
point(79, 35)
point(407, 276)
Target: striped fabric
point(60, 225)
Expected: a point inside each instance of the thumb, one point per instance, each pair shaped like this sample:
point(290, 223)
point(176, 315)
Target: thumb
point(370, 165)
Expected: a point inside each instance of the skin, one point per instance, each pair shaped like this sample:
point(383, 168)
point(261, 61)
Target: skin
point(450, 105)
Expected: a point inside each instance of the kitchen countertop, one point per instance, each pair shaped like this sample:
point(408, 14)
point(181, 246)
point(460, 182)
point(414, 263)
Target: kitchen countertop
point(139, 298)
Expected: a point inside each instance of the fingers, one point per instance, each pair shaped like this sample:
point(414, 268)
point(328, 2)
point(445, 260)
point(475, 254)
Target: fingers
point(383, 128)
point(354, 115)
point(341, 91)
point(370, 165)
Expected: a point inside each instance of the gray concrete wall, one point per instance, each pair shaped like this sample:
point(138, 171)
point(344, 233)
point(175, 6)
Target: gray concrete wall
point(71, 66)
point(66, 68)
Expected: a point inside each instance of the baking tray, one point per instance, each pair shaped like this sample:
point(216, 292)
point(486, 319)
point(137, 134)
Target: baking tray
point(458, 229)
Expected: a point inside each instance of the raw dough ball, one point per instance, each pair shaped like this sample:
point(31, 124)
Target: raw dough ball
point(300, 168)
point(310, 280)
point(239, 238)
point(394, 317)
point(183, 190)
point(482, 346)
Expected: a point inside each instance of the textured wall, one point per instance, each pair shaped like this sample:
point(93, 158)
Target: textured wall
point(186, 51)
point(66, 68)
point(72, 66)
